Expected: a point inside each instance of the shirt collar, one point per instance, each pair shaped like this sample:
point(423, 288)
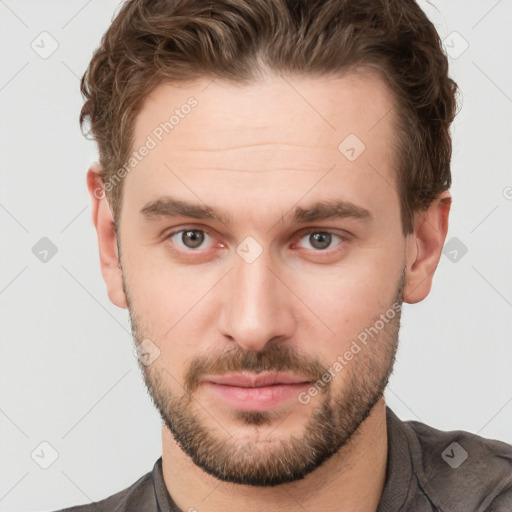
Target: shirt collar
point(401, 484)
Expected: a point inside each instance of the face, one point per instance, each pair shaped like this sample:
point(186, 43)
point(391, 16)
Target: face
point(263, 264)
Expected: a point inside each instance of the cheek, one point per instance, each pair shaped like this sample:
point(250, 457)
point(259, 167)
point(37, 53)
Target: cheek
point(168, 305)
point(158, 285)
point(349, 299)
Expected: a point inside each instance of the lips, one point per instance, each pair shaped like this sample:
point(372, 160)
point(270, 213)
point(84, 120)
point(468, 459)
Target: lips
point(257, 380)
point(255, 391)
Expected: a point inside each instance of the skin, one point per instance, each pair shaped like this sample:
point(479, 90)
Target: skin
point(256, 152)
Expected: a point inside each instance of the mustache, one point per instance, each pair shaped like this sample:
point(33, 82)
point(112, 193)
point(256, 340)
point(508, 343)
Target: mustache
point(273, 357)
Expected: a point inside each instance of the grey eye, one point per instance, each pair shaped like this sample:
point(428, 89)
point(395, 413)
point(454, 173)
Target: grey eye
point(189, 238)
point(320, 239)
point(192, 239)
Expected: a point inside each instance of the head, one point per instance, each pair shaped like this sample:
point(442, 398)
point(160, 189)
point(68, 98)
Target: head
point(273, 183)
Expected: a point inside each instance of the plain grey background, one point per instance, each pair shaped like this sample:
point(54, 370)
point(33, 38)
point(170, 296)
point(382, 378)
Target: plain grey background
point(68, 376)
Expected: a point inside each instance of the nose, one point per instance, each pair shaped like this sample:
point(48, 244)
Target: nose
point(258, 306)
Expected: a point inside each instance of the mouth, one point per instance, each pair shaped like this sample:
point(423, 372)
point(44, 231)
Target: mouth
point(256, 392)
point(256, 380)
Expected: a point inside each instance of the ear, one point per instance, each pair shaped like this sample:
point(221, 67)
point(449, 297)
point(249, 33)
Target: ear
point(107, 241)
point(424, 247)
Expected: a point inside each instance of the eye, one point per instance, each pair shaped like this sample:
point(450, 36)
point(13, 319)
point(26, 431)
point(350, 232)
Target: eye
point(192, 239)
point(320, 240)
point(188, 238)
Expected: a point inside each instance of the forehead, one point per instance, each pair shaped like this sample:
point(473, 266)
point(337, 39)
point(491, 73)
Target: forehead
point(217, 140)
point(311, 111)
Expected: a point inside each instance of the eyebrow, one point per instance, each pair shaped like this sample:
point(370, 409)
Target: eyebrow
point(169, 207)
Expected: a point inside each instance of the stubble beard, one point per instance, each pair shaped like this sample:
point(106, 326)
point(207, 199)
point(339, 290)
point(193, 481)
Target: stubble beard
point(271, 461)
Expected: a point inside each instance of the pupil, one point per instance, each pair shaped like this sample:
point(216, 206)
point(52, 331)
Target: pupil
point(195, 237)
point(324, 240)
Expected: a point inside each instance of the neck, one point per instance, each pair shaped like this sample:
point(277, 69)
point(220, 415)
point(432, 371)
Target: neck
point(353, 479)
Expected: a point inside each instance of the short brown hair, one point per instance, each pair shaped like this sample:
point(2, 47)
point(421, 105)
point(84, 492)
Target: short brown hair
point(153, 41)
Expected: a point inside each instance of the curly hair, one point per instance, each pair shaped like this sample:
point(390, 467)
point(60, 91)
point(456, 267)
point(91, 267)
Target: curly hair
point(153, 41)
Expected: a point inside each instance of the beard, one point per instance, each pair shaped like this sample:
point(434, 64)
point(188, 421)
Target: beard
point(257, 461)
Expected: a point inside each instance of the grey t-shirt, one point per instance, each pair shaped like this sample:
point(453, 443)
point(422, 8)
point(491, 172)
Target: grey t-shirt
point(427, 470)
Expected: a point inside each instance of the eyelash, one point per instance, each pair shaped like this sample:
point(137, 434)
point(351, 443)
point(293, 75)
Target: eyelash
point(302, 235)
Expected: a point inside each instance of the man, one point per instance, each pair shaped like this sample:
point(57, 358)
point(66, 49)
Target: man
point(273, 183)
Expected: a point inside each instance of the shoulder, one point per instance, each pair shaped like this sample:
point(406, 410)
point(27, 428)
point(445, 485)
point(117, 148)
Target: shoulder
point(139, 496)
point(461, 467)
